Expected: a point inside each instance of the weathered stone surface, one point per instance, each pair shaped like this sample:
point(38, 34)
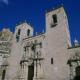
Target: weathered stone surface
point(46, 56)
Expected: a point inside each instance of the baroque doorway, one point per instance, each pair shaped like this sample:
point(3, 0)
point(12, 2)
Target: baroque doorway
point(30, 72)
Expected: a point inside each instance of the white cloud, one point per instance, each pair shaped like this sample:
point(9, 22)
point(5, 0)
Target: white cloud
point(4, 1)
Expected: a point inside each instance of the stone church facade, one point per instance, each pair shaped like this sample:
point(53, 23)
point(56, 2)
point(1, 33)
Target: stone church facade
point(45, 56)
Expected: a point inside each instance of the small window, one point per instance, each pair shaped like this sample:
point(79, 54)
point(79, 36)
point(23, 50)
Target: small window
point(19, 31)
point(51, 60)
point(54, 18)
point(28, 32)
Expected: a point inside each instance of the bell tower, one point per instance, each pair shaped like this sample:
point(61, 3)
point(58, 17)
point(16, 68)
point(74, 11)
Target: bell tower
point(57, 41)
point(23, 31)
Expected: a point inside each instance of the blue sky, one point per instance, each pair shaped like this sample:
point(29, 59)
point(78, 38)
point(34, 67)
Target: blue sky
point(14, 12)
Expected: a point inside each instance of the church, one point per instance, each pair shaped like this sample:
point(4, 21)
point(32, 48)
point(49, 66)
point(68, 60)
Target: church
point(46, 56)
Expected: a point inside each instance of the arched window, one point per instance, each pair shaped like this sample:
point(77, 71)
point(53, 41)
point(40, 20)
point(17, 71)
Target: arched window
point(28, 32)
point(19, 31)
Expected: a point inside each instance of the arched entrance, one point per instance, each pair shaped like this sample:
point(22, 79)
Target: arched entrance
point(77, 71)
point(30, 72)
point(3, 74)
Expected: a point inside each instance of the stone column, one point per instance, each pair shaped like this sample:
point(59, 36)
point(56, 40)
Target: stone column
point(24, 71)
point(24, 65)
point(38, 70)
point(38, 62)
